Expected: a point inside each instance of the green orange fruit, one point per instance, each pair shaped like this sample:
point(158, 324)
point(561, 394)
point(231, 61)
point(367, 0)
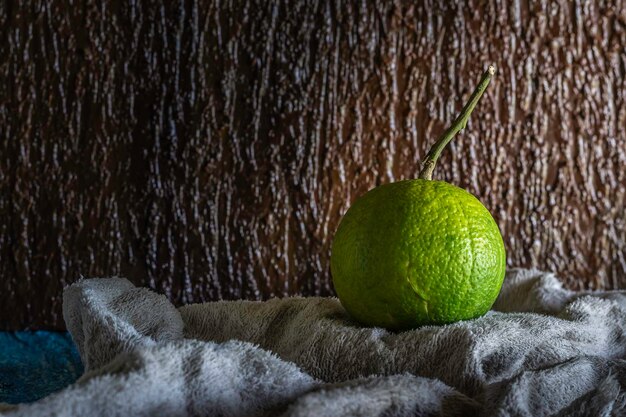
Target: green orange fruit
point(419, 252)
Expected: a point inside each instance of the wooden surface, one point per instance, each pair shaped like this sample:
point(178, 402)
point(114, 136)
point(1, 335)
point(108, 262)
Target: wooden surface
point(208, 150)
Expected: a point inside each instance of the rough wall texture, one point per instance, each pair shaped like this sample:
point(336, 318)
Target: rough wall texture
point(208, 150)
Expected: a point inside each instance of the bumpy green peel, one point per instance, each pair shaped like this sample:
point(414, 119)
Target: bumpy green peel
point(419, 252)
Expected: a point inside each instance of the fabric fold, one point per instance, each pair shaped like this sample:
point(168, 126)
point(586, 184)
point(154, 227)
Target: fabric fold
point(543, 350)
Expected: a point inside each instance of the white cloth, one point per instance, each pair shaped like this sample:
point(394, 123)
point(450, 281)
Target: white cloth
point(546, 351)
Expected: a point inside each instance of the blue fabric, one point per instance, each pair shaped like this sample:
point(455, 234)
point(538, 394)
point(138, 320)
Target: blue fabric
point(35, 364)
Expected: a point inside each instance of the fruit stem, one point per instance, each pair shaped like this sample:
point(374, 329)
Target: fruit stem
point(459, 124)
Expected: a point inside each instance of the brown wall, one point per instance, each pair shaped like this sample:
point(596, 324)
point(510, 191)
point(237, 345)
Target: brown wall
point(209, 151)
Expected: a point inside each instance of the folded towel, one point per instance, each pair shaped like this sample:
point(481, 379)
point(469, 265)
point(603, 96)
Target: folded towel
point(543, 351)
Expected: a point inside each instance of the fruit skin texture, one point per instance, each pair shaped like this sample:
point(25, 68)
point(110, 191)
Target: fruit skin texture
point(417, 252)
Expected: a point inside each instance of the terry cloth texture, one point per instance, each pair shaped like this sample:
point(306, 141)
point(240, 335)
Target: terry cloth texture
point(34, 364)
point(543, 351)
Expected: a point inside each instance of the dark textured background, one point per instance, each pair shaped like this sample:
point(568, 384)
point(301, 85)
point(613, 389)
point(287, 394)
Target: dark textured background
point(208, 150)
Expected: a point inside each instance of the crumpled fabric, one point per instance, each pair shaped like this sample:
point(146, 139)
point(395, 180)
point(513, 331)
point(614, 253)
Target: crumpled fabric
point(542, 350)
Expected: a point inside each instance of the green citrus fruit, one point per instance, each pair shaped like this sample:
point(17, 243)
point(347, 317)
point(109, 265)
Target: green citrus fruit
point(417, 252)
